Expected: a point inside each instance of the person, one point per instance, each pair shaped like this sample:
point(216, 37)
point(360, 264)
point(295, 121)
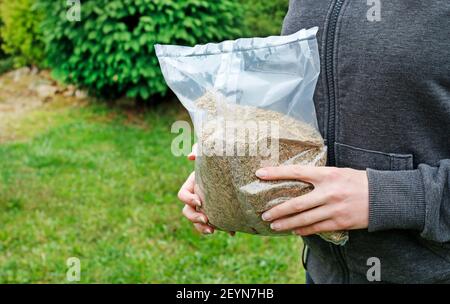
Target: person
point(383, 106)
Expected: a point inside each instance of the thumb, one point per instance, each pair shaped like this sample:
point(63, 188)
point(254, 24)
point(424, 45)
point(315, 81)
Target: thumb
point(193, 154)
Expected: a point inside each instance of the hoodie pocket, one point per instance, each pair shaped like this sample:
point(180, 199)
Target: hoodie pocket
point(361, 159)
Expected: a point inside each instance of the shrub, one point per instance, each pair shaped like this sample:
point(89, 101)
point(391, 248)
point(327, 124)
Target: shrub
point(21, 33)
point(264, 17)
point(2, 53)
point(110, 50)
point(6, 64)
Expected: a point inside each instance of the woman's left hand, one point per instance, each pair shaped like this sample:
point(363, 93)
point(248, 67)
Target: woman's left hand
point(339, 201)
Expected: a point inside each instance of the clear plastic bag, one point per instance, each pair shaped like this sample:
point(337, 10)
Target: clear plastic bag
point(251, 102)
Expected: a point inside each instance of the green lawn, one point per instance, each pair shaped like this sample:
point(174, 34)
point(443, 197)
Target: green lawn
point(89, 182)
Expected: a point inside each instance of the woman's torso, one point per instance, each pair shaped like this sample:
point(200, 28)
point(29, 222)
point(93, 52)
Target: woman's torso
point(383, 102)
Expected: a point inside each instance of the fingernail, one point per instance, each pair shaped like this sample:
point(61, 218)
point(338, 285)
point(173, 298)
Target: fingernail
point(207, 231)
point(265, 216)
point(261, 173)
point(274, 226)
point(197, 202)
point(203, 219)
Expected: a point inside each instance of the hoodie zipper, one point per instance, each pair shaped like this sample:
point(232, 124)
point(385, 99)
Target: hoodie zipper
point(331, 138)
point(338, 251)
point(329, 65)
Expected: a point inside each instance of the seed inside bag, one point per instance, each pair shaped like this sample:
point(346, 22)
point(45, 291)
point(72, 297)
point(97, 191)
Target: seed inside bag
point(233, 197)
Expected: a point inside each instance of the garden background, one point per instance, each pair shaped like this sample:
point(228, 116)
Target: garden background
point(85, 163)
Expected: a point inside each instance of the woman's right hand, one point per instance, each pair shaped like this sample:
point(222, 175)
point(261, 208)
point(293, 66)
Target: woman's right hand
point(191, 200)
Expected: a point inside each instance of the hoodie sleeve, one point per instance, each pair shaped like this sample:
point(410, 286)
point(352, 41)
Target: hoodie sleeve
point(417, 200)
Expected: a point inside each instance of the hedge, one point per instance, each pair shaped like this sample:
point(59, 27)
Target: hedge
point(2, 53)
point(20, 32)
point(110, 51)
point(264, 17)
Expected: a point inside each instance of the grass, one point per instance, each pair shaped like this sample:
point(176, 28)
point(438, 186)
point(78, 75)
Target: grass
point(89, 182)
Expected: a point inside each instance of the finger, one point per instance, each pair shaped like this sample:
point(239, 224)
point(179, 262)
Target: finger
point(193, 154)
point(324, 226)
point(195, 217)
point(306, 218)
point(305, 173)
point(295, 205)
point(186, 193)
point(202, 228)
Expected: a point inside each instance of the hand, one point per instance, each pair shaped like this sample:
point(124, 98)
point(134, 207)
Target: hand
point(339, 201)
point(191, 200)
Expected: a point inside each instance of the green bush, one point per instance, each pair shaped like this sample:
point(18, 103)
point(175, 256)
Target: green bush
point(20, 31)
point(110, 50)
point(2, 53)
point(264, 17)
point(6, 64)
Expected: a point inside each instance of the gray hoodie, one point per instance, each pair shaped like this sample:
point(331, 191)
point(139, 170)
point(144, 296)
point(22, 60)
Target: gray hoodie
point(383, 104)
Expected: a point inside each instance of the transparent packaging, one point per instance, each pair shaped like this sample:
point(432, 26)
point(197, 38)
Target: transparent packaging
point(251, 103)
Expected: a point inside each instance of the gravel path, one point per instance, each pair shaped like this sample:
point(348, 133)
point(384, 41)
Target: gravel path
point(25, 90)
